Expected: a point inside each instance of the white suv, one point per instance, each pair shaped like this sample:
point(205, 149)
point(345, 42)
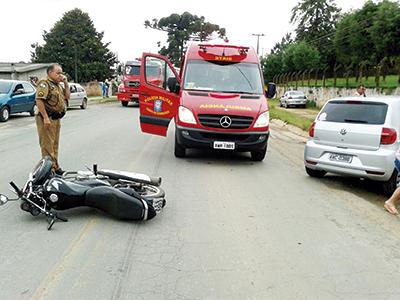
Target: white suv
point(356, 137)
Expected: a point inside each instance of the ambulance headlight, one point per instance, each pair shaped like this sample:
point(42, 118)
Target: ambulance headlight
point(262, 120)
point(186, 115)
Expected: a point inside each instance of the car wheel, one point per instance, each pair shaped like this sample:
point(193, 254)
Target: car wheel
point(34, 110)
point(280, 104)
point(84, 103)
point(388, 187)
point(179, 150)
point(315, 173)
point(258, 155)
point(124, 103)
point(4, 114)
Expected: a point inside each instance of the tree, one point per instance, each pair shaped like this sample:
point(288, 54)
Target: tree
point(181, 29)
point(384, 31)
point(280, 47)
point(74, 43)
point(301, 57)
point(272, 65)
point(352, 41)
point(316, 21)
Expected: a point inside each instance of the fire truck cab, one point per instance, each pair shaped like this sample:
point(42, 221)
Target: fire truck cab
point(128, 90)
point(218, 100)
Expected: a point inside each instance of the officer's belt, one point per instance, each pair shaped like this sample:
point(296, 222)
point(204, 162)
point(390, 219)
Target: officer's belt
point(55, 115)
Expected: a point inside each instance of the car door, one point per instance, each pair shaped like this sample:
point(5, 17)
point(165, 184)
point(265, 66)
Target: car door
point(79, 94)
point(29, 96)
point(158, 100)
point(17, 101)
point(73, 98)
point(283, 98)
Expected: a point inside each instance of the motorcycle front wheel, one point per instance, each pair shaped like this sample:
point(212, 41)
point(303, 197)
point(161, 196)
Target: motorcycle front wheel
point(151, 192)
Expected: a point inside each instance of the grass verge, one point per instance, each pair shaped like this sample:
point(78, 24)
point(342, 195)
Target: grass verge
point(294, 119)
point(99, 99)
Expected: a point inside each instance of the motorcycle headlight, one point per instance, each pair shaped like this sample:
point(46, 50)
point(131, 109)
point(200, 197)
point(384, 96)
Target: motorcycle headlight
point(262, 120)
point(186, 115)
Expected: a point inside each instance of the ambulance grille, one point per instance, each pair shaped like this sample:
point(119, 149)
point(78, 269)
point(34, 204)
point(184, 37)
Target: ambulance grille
point(134, 84)
point(238, 122)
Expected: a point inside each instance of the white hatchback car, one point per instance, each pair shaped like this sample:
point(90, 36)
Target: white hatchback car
point(356, 137)
point(293, 98)
point(78, 96)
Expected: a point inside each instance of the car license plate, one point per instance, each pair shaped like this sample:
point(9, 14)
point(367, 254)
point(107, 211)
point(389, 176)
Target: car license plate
point(340, 157)
point(135, 96)
point(224, 145)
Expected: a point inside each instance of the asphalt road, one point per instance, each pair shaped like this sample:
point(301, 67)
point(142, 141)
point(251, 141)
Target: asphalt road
point(232, 228)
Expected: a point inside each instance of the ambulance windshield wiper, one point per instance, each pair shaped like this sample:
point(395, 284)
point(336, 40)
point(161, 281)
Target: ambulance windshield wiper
point(237, 92)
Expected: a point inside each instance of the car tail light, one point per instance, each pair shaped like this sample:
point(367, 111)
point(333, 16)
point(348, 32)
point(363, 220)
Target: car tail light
point(311, 130)
point(388, 136)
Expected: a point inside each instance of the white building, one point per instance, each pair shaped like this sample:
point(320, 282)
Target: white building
point(23, 71)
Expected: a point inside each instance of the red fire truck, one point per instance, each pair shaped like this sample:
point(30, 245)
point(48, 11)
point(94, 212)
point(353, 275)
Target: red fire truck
point(128, 90)
point(218, 100)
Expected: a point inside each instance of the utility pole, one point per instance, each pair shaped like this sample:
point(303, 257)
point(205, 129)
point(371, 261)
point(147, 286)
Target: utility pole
point(76, 63)
point(258, 39)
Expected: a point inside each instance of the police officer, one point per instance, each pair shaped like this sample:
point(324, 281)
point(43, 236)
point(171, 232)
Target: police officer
point(50, 101)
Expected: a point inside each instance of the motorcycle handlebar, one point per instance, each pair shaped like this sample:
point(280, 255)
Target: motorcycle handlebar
point(16, 188)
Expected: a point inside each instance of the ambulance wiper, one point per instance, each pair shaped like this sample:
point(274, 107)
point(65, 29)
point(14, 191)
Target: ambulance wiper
point(237, 92)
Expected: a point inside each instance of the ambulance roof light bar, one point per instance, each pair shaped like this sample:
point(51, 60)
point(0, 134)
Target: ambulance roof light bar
point(241, 49)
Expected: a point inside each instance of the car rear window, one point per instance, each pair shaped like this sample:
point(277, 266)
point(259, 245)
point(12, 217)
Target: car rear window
point(358, 112)
point(4, 87)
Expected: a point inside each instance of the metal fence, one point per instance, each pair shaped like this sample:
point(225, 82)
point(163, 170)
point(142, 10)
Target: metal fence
point(373, 75)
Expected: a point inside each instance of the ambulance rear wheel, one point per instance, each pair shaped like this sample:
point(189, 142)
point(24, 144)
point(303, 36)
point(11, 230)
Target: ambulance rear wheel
point(179, 150)
point(258, 155)
point(124, 103)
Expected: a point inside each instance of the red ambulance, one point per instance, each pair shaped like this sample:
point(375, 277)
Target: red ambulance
point(218, 100)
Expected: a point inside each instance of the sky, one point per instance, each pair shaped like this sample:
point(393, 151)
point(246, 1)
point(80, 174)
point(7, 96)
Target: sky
point(122, 22)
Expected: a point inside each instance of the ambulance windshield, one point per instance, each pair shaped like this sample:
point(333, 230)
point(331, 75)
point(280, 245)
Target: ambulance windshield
point(224, 77)
point(132, 70)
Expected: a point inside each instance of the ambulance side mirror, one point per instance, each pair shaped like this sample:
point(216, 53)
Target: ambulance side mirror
point(173, 85)
point(271, 90)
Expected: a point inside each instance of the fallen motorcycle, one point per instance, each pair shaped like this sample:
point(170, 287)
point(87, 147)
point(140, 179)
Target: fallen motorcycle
point(124, 195)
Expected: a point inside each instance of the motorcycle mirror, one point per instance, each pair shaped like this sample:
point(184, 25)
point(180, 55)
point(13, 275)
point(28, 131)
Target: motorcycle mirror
point(3, 199)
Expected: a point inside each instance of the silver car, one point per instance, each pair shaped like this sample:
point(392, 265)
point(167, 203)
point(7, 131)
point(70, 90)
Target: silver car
point(78, 96)
point(356, 137)
point(293, 98)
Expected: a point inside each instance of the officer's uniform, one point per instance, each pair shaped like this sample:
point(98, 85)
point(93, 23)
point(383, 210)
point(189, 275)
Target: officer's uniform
point(52, 94)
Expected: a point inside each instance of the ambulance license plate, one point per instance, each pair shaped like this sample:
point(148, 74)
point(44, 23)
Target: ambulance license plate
point(224, 145)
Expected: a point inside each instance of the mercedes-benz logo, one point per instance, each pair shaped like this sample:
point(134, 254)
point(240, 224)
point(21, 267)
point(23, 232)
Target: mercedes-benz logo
point(343, 131)
point(225, 121)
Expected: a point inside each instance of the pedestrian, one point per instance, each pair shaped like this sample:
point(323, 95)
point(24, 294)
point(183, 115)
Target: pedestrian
point(360, 91)
point(50, 101)
point(390, 204)
point(107, 86)
point(110, 87)
point(34, 81)
point(103, 89)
